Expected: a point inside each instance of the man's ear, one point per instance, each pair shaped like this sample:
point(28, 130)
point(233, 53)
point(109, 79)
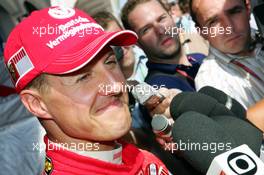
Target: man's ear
point(34, 103)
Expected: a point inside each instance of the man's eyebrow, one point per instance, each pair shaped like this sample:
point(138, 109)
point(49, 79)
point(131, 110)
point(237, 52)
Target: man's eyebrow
point(143, 27)
point(210, 19)
point(149, 24)
point(109, 54)
point(234, 9)
point(230, 10)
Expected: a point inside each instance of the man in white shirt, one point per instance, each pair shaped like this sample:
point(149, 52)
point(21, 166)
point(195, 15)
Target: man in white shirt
point(236, 60)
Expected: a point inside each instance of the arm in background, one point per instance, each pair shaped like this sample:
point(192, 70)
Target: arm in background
point(255, 114)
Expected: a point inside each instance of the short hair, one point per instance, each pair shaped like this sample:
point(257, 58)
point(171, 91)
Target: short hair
point(184, 6)
point(130, 6)
point(193, 15)
point(104, 17)
point(165, 4)
point(40, 83)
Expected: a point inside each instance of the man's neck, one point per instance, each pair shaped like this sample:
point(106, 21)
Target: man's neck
point(246, 53)
point(248, 50)
point(83, 145)
point(107, 152)
point(179, 58)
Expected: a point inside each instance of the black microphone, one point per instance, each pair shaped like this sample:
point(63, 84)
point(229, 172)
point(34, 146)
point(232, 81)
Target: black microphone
point(200, 134)
point(207, 137)
point(229, 102)
point(239, 129)
point(193, 101)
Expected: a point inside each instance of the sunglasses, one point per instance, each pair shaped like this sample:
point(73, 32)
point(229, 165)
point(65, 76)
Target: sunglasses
point(118, 52)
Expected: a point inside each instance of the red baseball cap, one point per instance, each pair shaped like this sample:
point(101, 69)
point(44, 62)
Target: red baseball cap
point(56, 40)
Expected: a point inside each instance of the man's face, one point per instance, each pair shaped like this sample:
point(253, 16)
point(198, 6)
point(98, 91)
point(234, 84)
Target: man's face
point(230, 15)
point(89, 103)
point(150, 21)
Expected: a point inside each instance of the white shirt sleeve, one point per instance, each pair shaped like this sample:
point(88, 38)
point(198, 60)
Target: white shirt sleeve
point(211, 74)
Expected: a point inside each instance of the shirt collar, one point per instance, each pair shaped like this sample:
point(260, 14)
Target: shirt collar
point(170, 68)
point(229, 57)
point(112, 156)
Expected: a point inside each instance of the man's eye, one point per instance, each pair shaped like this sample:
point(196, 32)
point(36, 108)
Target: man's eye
point(111, 60)
point(144, 30)
point(212, 23)
point(163, 17)
point(236, 10)
point(83, 78)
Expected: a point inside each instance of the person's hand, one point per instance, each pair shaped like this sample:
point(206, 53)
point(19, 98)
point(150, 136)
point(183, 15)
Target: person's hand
point(164, 106)
point(164, 109)
point(165, 141)
point(255, 114)
point(167, 144)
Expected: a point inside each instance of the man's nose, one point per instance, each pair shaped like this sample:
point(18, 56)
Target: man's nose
point(226, 22)
point(113, 85)
point(159, 29)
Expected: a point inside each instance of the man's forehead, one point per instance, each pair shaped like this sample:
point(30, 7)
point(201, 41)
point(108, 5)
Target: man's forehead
point(208, 8)
point(141, 15)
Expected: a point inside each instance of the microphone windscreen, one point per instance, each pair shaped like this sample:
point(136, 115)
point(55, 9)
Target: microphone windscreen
point(242, 131)
point(159, 123)
point(229, 102)
point(198, 102)
point(202, 137)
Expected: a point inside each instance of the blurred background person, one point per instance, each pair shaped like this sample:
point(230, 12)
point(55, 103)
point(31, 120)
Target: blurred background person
point(131, 59)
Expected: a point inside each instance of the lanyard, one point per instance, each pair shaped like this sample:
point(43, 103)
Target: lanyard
point(183, 73)
point(245, 68)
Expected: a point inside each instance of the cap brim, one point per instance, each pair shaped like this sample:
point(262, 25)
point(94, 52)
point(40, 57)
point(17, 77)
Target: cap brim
point(68, 63)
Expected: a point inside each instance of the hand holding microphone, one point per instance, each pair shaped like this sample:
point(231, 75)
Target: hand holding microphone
point(162, 127)
point(145, 94)
point(157, 101)
point(164, 106)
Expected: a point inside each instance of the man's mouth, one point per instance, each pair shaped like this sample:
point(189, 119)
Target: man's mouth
point(109, 105)
point(167, 41)
point(234, 38)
